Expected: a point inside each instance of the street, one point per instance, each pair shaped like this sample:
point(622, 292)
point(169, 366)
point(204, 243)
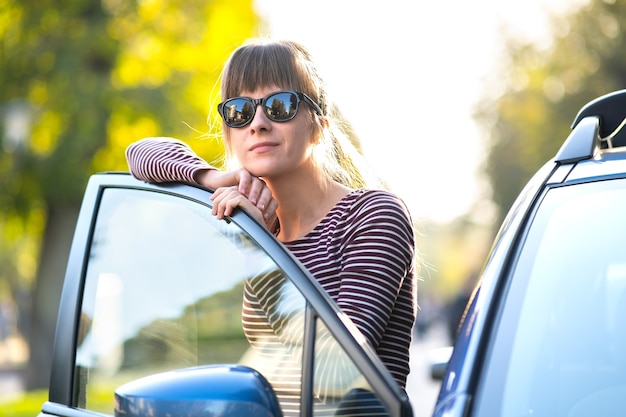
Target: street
point(421, 388)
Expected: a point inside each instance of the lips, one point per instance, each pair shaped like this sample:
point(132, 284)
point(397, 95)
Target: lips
point(262, 146)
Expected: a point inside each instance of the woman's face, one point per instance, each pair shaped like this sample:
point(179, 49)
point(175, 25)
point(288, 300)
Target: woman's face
point(272, 149)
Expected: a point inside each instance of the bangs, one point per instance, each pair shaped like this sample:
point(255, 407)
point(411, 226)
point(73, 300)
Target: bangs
point(261, 65)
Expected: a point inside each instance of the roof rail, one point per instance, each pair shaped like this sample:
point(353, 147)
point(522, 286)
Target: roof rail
point(611, 110)
point(598, 125)
point(582, 143)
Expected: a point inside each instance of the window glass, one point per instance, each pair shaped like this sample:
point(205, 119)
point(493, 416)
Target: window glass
point(273, 318)
point(169, 286)
point(339, 389)
point(163, 291)
point(559, 346)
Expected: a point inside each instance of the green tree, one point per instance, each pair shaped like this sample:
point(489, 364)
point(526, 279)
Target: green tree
point(79, 82)
point(545, 86)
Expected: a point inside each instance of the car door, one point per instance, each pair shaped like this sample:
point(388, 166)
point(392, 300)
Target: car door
point(155, 283)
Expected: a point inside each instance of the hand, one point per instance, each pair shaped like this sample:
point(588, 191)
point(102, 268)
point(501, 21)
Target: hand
point(254, 188)
point(225, 199)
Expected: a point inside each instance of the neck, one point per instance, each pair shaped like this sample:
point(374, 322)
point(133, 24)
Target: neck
point(303, 203)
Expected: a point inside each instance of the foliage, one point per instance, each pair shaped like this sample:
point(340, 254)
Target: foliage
point(79, 83)
point(160, 339)
point(544, 89)
point(27, 405)
point(458, 250)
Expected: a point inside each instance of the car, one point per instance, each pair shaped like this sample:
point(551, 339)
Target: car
point(542, 334)
point(150, 317)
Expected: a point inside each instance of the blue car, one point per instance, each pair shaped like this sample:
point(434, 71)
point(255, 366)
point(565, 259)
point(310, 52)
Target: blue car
point(150, 318)
point(542, 334)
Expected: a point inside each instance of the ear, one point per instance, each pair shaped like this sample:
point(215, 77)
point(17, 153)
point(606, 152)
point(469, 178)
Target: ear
point(317, 131)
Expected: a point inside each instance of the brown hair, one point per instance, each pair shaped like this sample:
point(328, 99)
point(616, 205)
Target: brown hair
point(288, 65)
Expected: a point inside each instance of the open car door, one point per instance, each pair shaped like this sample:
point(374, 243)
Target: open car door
point(151, 313)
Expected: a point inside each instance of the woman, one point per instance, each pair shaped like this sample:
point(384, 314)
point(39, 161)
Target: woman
point(278, 124)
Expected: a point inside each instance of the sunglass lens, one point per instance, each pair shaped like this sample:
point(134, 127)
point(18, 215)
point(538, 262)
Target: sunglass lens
point(281, 106)
point(238, 112)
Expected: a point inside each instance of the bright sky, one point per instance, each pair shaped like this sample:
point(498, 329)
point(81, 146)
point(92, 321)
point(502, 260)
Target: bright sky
point(430, 58)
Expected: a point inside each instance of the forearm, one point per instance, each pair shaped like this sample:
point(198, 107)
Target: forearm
point(165, 160)
point(170, 160)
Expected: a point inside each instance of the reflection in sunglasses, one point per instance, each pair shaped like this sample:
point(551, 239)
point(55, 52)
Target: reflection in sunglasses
point(281, 106)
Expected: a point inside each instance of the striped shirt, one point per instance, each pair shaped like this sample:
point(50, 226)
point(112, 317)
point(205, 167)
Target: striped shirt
point(362, 253)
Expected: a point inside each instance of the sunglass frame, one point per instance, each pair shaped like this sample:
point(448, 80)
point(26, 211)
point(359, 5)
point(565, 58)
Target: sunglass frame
point(262, 101)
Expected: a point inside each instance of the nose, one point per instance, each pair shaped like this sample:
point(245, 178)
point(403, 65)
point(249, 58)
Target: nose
point(260, 120)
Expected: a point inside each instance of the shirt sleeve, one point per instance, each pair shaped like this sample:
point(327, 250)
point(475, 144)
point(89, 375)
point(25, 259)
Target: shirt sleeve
point(378, 261)
point(164, 160)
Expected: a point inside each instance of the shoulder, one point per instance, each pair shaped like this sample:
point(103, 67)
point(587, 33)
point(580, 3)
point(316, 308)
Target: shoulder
point(374, 208)
point(375, 219)
point(374, 201)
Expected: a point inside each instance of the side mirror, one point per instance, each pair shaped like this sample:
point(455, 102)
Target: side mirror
point(438, 361)
point(207, 391)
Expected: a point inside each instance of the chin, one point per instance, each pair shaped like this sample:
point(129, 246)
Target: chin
point(262, 169)
point(258, 172)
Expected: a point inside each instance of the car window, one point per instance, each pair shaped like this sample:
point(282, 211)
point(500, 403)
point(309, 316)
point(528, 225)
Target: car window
point(338, 386)
point(559, 343)
point(164, 289)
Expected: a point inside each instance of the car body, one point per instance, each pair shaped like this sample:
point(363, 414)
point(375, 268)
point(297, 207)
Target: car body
point(150, 316)
point(542, 334)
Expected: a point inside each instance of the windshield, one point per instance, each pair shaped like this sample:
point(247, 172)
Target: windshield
point(559, 348)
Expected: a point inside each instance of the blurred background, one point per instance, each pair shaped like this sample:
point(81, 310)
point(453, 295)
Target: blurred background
point(455, 105)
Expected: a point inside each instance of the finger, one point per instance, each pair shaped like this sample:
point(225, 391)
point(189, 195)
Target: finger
point(220, 197)
point(270, 209)
point(227, 204)
point(271, 223)
point(264, 197)
point(246, 182)
point(243, 203)
point(226, 199)
point(259, 194)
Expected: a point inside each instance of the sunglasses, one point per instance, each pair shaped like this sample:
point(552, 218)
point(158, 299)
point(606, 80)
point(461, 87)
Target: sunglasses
point(281, 106)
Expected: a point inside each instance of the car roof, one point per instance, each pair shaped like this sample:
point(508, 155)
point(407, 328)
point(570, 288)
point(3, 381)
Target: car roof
point(605, 165)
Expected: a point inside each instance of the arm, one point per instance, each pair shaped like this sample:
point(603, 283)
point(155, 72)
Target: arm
point(171, 160)
point(165, 160)
point(377, 265)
